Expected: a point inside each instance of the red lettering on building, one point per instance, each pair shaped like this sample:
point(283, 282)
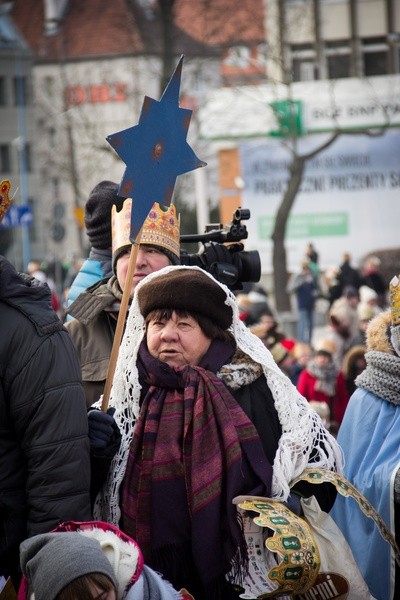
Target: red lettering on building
point(96, 93)
point(120, 94)
point(75, 95)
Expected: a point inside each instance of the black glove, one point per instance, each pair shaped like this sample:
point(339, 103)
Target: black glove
point(105, 440)
point(222, 262)
point(102, 428)
point(214, 252)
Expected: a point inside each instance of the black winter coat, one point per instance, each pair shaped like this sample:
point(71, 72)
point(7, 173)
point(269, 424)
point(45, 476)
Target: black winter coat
point(44, 444)
point(257, 402)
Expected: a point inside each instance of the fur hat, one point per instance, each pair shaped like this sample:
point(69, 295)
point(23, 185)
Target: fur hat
point(98, 213)
point(367, 294)
point(326, 345)
point(351, 356)
point(43, 555)
point(161, 230)
point(186, 289)
point(340, 313)
point(378, 333)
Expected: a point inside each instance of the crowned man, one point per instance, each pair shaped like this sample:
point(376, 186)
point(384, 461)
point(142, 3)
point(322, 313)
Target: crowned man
point(95, 311)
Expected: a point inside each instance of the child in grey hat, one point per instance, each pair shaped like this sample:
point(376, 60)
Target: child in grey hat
point(86, 561)
point(52, 561)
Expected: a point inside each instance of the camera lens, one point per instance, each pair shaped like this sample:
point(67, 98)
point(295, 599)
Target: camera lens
point(241, 214)
point(250, 266)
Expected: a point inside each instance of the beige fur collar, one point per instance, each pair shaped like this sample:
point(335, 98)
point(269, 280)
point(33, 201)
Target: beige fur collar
point(241, 371)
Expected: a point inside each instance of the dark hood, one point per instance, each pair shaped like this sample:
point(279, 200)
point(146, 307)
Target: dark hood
point(26, 294)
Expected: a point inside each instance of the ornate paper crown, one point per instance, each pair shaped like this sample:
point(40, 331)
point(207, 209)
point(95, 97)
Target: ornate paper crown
point(161, 228)
point(394, 292)
point(5, 199)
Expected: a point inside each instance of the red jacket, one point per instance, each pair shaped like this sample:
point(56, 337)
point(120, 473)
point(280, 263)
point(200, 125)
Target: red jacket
point(306, 387)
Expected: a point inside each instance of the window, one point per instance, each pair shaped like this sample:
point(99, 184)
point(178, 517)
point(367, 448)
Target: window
point(338, 66)
point(375, 56)
point(237, 56)
point(33, 236)
point(338, 59)
point(52, 137)
point(48, 86)
point(303, 62)
point(20, 91)
point(3, 91)
point(55, 186)
point(5, 158)
point(28, 158)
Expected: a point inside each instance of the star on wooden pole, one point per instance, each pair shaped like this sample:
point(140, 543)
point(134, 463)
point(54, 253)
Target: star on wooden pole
point(155, 152)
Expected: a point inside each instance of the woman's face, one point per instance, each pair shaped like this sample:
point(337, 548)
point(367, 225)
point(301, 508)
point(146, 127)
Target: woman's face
point(178, 341)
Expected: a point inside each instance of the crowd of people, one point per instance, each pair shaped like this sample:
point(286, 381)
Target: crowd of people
point(210, 400)
point(324, 359)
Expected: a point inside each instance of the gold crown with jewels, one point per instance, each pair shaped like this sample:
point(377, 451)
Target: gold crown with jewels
point(161, 229)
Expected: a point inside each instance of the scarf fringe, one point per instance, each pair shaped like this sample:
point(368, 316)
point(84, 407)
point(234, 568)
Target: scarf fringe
point(175, 561)
point(240, 562)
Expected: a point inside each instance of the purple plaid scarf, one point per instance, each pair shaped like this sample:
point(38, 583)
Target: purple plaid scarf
point(193, 451)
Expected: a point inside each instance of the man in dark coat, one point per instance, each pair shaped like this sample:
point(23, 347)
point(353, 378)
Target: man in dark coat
point(44, 444)
point(348, 276)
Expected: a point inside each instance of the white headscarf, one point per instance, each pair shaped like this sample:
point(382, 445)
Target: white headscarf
point(302, 429)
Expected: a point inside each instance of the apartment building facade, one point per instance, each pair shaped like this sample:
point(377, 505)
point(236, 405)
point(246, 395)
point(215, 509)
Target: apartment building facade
point(94, 62)
point(323, 81)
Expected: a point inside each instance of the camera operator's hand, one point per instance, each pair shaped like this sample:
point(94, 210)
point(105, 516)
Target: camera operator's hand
point(213, 252)
point(228, 264)
point(222, 262)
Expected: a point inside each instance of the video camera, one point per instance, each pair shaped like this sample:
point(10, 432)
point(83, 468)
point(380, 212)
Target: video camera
point(229, 264)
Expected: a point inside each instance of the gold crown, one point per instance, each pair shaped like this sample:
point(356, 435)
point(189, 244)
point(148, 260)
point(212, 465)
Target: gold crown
point(161, 228)
point(293, 541)
point(394, 293)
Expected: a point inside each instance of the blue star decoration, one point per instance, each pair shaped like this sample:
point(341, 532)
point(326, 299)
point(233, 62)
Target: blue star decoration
point(155, 152)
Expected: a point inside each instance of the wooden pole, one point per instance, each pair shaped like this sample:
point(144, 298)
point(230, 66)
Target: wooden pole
point(120, 323)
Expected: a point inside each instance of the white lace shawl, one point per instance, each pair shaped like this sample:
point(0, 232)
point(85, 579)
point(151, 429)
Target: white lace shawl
point(302, 428)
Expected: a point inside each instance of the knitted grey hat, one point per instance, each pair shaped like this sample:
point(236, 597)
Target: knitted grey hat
point(98, 213)
point(50, 561)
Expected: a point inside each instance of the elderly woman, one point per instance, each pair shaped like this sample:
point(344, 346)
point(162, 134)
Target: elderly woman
point(205, 415)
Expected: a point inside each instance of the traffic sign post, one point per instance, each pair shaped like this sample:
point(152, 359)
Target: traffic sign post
point(18, 215)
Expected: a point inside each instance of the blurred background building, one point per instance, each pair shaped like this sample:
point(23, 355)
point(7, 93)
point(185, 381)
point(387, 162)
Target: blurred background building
point(92, 65)
point(280, 71)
